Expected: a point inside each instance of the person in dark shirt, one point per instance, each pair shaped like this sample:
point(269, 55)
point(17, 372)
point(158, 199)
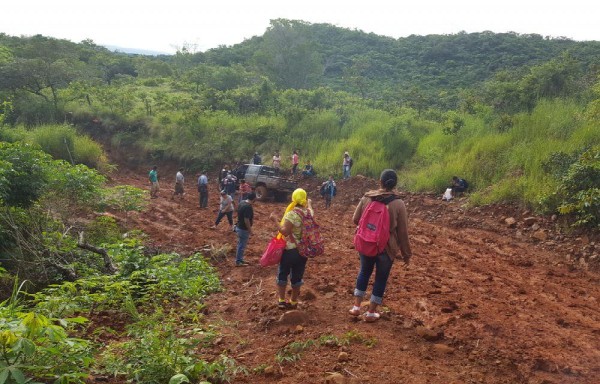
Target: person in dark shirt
point(458, 186)
point(243, 228)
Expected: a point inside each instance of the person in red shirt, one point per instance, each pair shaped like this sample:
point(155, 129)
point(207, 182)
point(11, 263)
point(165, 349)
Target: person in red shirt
point(295, 161)
point(245, 190)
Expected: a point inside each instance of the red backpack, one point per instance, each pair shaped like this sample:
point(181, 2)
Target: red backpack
point(311, 244)
point(373, 230)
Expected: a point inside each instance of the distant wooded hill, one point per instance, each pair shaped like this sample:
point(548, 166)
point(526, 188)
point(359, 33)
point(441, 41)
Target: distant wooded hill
point(296, 54)
point(429, 70)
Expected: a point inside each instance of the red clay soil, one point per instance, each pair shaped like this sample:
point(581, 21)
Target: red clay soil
point(483, 301)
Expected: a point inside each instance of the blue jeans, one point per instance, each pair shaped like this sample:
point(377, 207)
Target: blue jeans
point(383, 266)
point(346, 170)
point(293, 265)
point(243, 236)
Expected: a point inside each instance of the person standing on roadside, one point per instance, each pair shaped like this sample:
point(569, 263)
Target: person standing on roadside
point(222, 175)
point(397, 244)
point(154, 187)
point(229, 184)
point(292, 264)
point(243, 228)
point(295, 161)
point(179, 180)
point(346, 165)
point(245, 190)
point(276, 160)
point(203, 190)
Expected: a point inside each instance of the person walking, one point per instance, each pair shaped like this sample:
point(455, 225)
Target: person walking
point(346, 165)
point(292, 265)
point(225, 209)
point(328, 190)
point(295, 161)
point(203, 190)
point(179, 181)
point(154, 187)
point(243, 228)
point(397, 245)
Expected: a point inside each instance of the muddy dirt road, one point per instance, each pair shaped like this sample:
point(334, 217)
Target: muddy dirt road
point(485, 300)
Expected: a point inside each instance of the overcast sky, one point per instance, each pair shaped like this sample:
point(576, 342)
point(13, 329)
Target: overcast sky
point(168, 25)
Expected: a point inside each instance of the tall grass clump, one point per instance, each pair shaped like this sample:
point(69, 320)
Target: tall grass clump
point(88, 152)
point(57, 140)
point(502, 166)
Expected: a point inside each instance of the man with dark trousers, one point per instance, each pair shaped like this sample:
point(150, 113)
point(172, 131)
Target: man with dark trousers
point(243, 228)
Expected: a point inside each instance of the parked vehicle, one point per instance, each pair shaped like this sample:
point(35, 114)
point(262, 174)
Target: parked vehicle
point(266, 181)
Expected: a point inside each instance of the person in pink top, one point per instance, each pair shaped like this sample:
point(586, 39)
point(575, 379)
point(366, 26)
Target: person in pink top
point(295, 161)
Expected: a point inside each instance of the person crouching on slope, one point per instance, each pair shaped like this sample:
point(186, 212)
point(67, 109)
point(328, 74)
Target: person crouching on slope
point(292, 264)
point(397, 244)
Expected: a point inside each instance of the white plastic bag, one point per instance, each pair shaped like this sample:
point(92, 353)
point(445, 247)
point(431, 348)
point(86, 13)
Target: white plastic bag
point(447, 195)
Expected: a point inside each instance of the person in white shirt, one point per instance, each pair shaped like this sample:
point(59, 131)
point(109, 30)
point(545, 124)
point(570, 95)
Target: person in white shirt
point(179, 180)
point(276, 160)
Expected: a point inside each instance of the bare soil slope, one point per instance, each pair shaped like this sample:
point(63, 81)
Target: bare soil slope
point(483, 301)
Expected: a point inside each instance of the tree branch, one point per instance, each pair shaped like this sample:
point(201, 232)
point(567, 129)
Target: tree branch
point(108, 263)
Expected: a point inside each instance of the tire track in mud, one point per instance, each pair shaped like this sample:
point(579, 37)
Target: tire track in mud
point(510, 310)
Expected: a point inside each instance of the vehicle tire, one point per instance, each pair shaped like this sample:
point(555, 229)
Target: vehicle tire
point(261, 193)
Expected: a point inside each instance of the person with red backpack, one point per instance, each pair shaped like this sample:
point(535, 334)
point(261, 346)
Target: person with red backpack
point(381, 237)
point(296, 222)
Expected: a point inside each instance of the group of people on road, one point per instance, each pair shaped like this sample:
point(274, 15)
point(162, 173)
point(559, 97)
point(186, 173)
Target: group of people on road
point(293, 265)
point(309, 170)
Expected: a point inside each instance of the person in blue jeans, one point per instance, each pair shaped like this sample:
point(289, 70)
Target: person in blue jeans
point(292, 264)
point(398, 245)
point(243, 228)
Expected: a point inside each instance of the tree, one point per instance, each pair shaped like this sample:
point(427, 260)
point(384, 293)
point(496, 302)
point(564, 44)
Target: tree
point(23, 174)
point(289, 55)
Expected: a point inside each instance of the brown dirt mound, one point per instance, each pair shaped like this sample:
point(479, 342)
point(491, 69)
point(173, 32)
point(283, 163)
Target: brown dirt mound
point(485, 300)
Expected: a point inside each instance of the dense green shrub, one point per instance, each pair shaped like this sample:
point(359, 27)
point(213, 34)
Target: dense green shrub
point(37, 347)
point(580, 189)
point(23, 174)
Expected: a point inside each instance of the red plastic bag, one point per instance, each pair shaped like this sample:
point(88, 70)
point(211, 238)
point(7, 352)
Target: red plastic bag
point(272, 255)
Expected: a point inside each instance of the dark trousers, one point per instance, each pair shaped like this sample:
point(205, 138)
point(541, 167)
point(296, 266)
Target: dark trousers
point(292, 265)
point(229, 217)
point(203, 197)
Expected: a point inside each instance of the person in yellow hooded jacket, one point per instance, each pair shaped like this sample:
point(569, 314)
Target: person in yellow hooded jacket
point(292, 264)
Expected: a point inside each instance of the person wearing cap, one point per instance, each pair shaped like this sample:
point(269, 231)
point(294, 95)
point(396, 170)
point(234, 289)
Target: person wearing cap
point(225, 209)
point(346, 165)
point(243, 228)
point(292, 264)
point(398, 245)
point(203, 190)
